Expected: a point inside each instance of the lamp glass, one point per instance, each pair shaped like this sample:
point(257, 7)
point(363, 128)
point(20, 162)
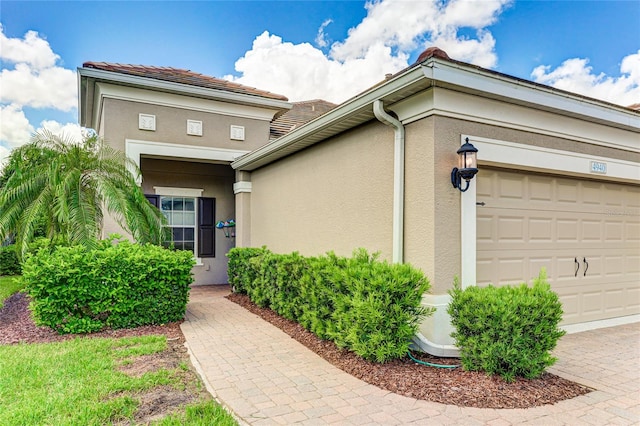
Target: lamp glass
point(467, 160)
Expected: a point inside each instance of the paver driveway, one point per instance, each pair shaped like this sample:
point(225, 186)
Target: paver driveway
point(265, 377)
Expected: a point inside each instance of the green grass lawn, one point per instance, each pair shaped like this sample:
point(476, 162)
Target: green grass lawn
point(76, 382)
point(8, 286)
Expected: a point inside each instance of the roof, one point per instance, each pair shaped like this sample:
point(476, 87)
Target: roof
point(176, 75)
point(301, 113)
point(436, 69)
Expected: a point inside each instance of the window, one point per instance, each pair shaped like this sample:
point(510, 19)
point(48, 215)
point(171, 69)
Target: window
point(181, 216)
point(191, 228)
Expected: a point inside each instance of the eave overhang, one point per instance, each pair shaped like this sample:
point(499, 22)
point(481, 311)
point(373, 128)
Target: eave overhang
point(451, 75)
point(88, 77)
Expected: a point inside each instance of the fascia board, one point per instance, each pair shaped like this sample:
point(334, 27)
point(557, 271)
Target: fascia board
point(174, 100)
point(521, 92)
point(275, 150)
point(184, 89)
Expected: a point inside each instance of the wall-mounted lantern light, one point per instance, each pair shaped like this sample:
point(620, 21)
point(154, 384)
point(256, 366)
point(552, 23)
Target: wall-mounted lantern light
point(467, 166)
point(228, 227)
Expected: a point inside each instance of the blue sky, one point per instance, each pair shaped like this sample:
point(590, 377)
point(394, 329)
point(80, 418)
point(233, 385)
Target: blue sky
point(306, 49)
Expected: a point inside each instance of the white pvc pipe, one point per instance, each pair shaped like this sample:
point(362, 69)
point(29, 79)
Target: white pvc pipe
point(398, 179)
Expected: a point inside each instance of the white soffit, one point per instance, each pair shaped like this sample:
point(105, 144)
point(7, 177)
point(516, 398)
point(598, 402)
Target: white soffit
point(459, 105)
point(441, 74)
point(524, 92)
point(132, 94)
point(183, 89)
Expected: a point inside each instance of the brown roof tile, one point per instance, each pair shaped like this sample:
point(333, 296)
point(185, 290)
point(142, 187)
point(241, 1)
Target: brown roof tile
point(176, 75)
point(301, 113)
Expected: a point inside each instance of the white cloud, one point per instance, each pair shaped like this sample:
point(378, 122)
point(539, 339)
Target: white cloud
point(32, 50)
point(380, 44)
point(15, 129)
point(321, 38)
point(69, 130)
point(575, 75)
point(35, 81)
point(53, 87)
point(302, 72)
point(4, 155)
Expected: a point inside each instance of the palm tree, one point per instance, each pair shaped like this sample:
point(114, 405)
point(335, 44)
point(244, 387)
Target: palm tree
point(68, 185)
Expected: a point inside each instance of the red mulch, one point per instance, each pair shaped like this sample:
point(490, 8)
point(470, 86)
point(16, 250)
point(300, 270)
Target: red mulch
point(446, 386)
point(17, 326)
point(403, 376)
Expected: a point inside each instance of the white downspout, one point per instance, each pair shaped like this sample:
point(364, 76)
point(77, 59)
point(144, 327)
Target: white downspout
point(398, 179)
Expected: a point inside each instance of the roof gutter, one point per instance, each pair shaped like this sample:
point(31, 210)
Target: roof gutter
point(398, 178)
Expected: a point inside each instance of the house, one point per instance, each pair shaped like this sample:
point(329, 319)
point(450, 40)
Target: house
point(558, 184)
point(183, 130)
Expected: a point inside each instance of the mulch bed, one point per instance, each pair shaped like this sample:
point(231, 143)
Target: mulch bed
point(403, 376)
point(17, 326)
point(408, 378)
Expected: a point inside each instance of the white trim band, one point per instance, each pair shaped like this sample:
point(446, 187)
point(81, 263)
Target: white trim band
point(178, 192)
point(135, 148)
point(242, 186)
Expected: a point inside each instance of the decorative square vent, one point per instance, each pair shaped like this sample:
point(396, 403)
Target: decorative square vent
point(194, 127)
point(237, 133)
point(147, 122)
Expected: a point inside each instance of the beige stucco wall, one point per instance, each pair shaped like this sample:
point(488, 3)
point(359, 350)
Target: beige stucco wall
point(432, 205)
point(217, 182)
point(120, 122)
point(334, 196)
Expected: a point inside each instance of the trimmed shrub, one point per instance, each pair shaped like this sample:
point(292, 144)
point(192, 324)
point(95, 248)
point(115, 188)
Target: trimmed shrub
point(509, 331)
point(9, 264)
point(75, 290)
point(241, 268)
point(367, 306)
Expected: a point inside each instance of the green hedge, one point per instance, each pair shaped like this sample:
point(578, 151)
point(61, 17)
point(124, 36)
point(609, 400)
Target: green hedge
point(509, 331)
point(9, 264)
point(368, 306)
point(75, 290)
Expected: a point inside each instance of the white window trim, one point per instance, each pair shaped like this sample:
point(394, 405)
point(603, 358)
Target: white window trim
point(163, 191)
point(526, 157)
point(178, 192)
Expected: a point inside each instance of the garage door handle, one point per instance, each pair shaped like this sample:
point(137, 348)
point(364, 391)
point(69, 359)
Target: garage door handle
point(586, 266)
point(575, 259)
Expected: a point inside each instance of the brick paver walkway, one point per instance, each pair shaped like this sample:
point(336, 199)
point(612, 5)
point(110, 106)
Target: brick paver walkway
point(265, 377)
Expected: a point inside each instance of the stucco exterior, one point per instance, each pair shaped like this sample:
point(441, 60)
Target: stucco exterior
point(294, 205)
point(216, 180)
point(172, 157)
point(336, 183)
point(311, 201)
point(121, 123)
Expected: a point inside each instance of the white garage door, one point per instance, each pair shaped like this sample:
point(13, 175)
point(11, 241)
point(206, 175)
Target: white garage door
point(585, 233)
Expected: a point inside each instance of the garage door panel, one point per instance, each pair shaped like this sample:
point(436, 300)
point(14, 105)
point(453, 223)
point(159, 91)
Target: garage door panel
point(592, 303)
point(566, 193)
point(541, 230)
point(632, 232)
point(511, 229)
point(614, 231)
point(531, 221)
point(632, 298)
point(632, 265)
